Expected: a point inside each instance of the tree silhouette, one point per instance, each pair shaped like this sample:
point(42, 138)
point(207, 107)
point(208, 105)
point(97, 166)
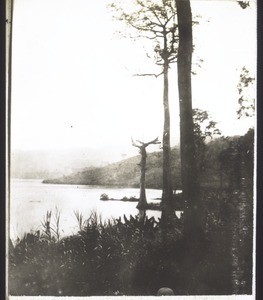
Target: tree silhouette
point(157, 21)
point(189, 171)
point(142, 204)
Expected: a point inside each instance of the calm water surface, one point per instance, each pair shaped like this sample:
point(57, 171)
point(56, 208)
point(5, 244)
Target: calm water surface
point(31, 199)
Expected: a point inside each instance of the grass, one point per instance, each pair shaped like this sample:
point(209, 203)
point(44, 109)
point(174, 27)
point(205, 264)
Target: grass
point(133, 256)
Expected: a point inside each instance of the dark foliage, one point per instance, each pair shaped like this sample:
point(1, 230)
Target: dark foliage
point(134, 256)
point(246, 104)
point(243, 4)
point(237, 152)
point(204, 128)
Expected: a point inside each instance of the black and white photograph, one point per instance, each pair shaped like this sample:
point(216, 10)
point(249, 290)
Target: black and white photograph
point(131, 148)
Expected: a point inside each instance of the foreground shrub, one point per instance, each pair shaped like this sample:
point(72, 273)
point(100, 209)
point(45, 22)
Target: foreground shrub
point(133, 256)
point(102, 259)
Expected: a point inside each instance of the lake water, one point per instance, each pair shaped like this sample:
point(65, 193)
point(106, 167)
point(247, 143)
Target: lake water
point(31, 199)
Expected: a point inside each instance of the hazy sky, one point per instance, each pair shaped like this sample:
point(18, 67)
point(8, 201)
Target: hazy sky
point(73, 83)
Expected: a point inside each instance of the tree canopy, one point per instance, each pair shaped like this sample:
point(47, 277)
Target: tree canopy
point(154, 20)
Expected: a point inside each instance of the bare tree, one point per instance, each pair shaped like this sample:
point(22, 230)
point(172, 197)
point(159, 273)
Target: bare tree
point(156, 20)
point(142, 204)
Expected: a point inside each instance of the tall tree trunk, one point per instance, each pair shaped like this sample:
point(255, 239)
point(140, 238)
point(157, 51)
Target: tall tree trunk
point(242, 233)
point(9, 16)
point(167, 186)
point(142, 201)
point(190, 184)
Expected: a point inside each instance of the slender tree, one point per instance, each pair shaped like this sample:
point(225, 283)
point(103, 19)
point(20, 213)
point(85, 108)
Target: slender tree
point(156, 20)
point(142, 204)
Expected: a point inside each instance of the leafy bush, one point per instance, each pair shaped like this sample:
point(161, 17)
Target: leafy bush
point(102, 259)
point(104, 197)
point(133, 256)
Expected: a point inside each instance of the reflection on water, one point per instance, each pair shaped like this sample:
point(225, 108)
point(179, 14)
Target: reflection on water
point(30, 200)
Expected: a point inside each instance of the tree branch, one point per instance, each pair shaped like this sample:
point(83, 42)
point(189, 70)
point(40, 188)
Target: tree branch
point(168, 20)
point(156, 75)
point(141, 27)
point(155, 141)
point(156, 16)
point(172, 59)
point(144, 145)
point(134, 144)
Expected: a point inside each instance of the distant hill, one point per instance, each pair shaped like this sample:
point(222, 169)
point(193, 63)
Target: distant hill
point(39, 164)
point(125, 173)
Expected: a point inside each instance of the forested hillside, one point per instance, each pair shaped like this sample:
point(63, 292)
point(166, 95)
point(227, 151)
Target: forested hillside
point(125, 173)
point(218, 162)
